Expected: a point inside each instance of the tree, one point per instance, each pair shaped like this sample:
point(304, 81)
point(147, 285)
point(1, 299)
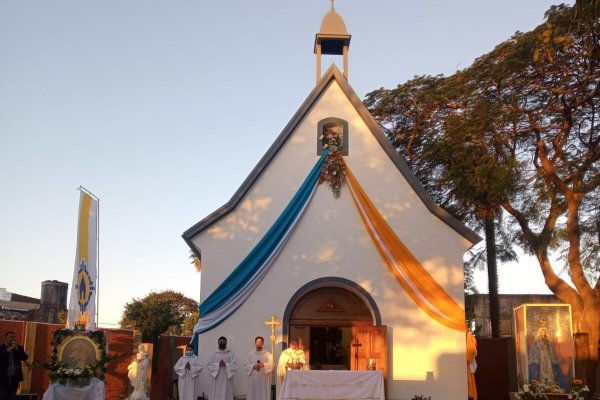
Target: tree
point(195, 261)
point(524, 115)
point(159, 313)
point(442, 127)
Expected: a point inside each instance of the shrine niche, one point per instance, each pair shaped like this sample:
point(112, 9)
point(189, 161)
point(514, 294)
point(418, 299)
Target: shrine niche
point(78, 358)
point(544, 341)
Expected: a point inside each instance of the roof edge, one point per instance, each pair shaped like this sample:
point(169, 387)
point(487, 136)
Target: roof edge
point(264, 161)
point(399, 162)
point(332, 73)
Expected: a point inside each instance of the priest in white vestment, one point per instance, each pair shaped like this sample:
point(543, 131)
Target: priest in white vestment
point(291, 358)
point(188, 370)
point(221, 366)
point(259, 366)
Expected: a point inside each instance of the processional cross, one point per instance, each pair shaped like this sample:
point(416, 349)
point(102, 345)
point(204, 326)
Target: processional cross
point(273, 322)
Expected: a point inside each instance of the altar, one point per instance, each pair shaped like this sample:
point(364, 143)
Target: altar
point(328, 385)
point(93, 391)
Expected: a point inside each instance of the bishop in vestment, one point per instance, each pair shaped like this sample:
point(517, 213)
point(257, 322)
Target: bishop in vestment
point(259, 366)
point(221, 366)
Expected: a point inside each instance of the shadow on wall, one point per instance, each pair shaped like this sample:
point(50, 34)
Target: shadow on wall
point(450, 379)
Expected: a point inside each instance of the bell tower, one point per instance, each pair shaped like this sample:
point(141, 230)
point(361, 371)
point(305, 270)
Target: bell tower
point(332, 39)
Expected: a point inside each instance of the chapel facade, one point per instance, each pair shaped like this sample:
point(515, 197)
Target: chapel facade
point(368, 277)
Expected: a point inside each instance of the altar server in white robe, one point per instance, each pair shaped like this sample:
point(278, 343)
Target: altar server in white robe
point(188, 369)
point(221, 366)
point(259, 366)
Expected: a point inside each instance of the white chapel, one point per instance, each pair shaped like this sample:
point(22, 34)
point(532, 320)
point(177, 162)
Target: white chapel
point(333, 235)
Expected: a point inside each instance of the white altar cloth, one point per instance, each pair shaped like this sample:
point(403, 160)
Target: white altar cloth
point(332, 385)
point(93, 391)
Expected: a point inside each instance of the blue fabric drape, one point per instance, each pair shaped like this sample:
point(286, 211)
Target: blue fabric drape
point(246, 276)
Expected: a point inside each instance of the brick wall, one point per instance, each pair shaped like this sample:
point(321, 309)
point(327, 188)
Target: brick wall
point(121, 345)
point(162, 376)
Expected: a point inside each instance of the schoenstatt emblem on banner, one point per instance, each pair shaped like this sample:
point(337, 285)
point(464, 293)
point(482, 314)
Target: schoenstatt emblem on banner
point(82, 303)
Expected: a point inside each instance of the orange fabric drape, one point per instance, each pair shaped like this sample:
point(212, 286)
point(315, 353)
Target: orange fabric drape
point(410, 274)
point(471, 365)
point(408, 271)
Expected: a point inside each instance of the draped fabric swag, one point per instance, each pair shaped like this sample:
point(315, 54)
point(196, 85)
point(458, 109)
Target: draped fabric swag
point(408, 271)
point(412, 276)
point(242, 281)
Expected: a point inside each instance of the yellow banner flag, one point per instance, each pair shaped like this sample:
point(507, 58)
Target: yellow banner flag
point(82, 304)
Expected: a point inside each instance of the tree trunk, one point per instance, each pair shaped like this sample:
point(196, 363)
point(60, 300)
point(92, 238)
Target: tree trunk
point(590, 320)
point(490, 245)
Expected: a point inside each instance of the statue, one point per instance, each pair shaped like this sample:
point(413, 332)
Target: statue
point(543, 363)
point(137, 373)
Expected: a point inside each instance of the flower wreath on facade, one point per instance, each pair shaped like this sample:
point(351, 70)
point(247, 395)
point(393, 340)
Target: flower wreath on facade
point(64, 374)
point(333, 171)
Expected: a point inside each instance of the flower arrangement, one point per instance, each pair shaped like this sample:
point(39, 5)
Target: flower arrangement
point(333, 171)
point(548, 386)
point(579, 391)
point(71, 376)
point(531, 391)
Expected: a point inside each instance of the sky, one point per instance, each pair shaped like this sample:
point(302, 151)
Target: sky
point(162, 108)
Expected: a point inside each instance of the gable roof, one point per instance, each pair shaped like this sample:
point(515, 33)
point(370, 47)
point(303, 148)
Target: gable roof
point(332, 74)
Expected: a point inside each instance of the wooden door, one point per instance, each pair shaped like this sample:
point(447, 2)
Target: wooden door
point(369, 343)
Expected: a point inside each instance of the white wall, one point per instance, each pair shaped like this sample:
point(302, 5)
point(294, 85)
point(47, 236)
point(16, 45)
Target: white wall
point(331, 240)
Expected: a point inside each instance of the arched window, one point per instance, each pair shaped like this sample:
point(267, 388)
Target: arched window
point(338, 127)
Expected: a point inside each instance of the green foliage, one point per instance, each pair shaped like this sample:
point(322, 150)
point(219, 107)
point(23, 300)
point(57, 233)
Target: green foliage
point(190, 321)
point(516, 134)
point(158, 313)
point(195, 261)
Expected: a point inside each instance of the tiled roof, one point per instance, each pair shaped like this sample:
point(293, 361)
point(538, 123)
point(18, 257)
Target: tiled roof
point(18, 305)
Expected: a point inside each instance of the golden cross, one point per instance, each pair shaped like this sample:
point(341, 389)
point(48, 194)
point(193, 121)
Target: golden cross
point(273, 323)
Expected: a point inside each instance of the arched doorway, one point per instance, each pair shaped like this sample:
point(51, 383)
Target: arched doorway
point(337, 324)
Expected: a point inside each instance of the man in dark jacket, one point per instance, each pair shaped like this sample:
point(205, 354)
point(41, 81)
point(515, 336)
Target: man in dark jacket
point(11, 373)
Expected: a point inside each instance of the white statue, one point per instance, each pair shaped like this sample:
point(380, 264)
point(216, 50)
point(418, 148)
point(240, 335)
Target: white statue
point(137, 373)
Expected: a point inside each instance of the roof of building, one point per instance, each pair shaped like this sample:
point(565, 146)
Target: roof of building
point(332, 74)
point(23, 299)
point(18, 305)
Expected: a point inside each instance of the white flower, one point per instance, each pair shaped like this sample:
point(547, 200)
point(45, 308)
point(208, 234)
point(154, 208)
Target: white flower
point(526, 388)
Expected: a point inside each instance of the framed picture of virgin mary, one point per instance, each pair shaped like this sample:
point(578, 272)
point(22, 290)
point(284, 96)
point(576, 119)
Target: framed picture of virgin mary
point(544, 342)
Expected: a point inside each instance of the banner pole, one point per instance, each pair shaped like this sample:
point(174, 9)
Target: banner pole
point(97, 316)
